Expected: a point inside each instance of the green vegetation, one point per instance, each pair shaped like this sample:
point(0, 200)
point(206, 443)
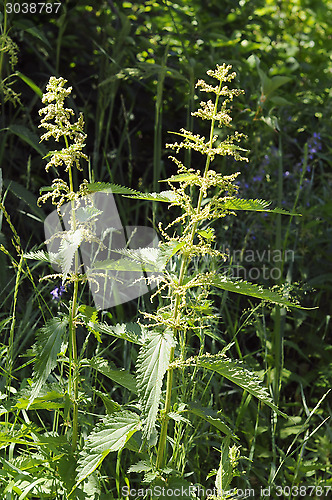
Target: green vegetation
point(218, 378)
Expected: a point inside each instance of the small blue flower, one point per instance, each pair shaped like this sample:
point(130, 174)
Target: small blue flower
point(57, 292)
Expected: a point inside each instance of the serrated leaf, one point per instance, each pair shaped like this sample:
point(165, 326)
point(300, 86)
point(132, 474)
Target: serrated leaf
point(40, 255)
point(70, 242)
point(254, 205)
point(165, 196)
point(125, 265)
point(94, 187)
point(83, 214)
point(121, 377)
point(152, 363)
point(110, 405)
point(236, 373)
point(144, 257)
point(180, 178)
point(47, 347)
point(252, 290)
point(141, 466)
point(43, 402)
point(127, 331)
point(111, 435)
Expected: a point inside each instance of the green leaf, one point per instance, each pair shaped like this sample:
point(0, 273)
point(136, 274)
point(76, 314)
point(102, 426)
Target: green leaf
point(125, 265)
point(280, 101)
point(83, 214)
point(209, 416)
point(251, 290)
point(48, 402)
point(165, 196)
point(254, 205)
point(31, 84)
point(236, 373)
point(94, 187)
point(23, 194)
point(29, 137)
point(121, 377)
point(47, 348)
point(42, 256)
point(110, 405)
point(180, 178)
point(152, 363)
point(127, 331)
point(111, 435)
point(141, 466)
point(70, 242)
point(27, 25)
point(276, 82)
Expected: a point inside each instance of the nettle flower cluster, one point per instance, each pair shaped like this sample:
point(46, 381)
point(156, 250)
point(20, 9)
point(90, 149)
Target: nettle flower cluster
point(213, 190)
point(56, 119)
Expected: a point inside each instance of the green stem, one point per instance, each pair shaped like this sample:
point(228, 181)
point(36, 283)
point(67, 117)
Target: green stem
point(73, 369)
point(184, 264)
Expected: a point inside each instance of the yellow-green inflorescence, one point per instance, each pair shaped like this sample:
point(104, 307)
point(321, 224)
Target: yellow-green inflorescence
point(57, 122)
point(214, 188)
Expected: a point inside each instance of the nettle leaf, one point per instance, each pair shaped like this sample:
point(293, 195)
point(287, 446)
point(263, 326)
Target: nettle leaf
point(147, 258)
point(167, 250)
point(68, 247)
point(121, 377)
point(127, 265)
point(254, 205)
point(165, 196)
point(141, 466)
point(47, 347)
point(110, 435)
point(42, 256)
point(152, 363)
point(181, 178)
point(239, 375)
point(125, 331)
point(252, 290)
point(83, 214)
point(94, 187)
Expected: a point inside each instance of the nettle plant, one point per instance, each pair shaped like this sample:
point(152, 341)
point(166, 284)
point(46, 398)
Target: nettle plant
point(156, 425)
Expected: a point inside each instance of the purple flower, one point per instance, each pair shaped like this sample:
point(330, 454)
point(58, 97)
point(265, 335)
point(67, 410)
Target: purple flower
point(57, 292)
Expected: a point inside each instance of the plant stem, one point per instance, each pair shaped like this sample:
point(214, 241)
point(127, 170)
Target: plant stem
point(73, 383)
point(74, 367)
point(184, 264)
